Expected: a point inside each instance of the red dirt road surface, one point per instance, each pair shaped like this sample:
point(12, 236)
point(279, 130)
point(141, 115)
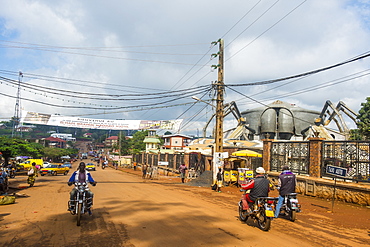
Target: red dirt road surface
point(130, 211)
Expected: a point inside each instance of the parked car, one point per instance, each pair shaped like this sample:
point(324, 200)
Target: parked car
point(67, 164)
point(46, 164)
point(28, 163)
point(54, 170)
point(90, 167)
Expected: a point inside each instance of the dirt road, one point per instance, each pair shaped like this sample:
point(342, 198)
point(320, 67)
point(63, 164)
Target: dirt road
point(129, 211)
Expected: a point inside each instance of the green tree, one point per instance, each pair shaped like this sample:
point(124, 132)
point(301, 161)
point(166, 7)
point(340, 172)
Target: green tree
point(125, 144)
point(137, 141)
point(11, 147)
point(364, 120)
point(56, 153)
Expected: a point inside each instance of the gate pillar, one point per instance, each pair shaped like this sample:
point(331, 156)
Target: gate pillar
point(315, 147)
point(266, 155)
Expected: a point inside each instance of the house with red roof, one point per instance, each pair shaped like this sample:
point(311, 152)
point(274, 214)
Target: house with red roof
point(55, 142)
point(111, 141)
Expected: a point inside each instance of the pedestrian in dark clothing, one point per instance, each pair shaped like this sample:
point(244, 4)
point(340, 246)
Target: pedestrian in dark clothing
point(182, 170)
point(219, 180)
point(144, 168)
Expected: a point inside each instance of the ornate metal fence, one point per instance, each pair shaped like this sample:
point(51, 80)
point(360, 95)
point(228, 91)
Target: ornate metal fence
point(293, 154)
point(352, 155)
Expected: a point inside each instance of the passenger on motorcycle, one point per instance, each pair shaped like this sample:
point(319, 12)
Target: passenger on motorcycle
point(81, 176)
point(286, 185)
point(259, 187)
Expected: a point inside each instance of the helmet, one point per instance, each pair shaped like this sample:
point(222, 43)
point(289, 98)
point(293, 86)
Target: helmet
point(260, 170)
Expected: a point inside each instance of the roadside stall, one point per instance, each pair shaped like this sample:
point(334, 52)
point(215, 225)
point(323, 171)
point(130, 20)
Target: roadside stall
point(244, 162)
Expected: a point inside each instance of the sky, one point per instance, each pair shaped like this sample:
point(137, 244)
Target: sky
point(144, 60)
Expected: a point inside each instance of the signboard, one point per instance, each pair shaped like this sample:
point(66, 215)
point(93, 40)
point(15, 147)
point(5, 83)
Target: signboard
point(90, 123)
point(163, 163)
point(336, 171)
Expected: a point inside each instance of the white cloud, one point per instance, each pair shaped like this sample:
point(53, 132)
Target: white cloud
point(315, 35)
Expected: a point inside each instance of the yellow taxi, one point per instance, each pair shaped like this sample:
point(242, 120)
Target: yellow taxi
point(90, 167)
point(54, 170)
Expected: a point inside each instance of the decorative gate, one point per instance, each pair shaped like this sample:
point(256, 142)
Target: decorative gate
point(352, 155)
point(293, 154)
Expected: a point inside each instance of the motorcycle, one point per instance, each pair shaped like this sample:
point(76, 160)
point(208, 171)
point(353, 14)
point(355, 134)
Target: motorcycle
point(81, 204)
point(32, 174)
point(11, 172)
point(290, 206)
point(104, 165)
point(262, 211)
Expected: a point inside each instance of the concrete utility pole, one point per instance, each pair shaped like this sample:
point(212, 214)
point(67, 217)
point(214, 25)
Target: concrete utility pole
point(217, 156)
point(220, 99)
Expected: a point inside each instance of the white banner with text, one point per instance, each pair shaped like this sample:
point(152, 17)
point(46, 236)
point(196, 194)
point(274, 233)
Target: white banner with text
point(90, 123)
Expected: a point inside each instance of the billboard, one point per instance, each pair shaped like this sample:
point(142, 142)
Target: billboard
point(90, 123)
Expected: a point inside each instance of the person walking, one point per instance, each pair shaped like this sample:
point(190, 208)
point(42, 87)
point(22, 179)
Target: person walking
point(149, 172)
point(286, 185)
point(143, 169)
point(32, 174)
point(182, 170)
point(219, 180)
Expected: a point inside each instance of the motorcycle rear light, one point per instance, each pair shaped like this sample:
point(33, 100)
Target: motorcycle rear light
point(270, 201)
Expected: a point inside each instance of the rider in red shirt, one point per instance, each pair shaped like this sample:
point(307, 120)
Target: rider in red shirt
point(259, 187)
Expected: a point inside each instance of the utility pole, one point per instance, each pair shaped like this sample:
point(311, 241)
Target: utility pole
point(16, 118)
point(119, 154)
point(217, 156)
point(220, 99)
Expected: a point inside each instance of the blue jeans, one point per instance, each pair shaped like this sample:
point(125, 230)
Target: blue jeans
point(278, 206)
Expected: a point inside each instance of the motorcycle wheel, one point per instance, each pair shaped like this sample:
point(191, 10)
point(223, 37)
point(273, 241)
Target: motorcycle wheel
point(79, 209)
point(292, 215)
point(243, 215)
point(30, 182)
point(264, 222)
point(103, 167)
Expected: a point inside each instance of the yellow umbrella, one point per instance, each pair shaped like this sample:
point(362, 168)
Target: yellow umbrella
point(247, 153)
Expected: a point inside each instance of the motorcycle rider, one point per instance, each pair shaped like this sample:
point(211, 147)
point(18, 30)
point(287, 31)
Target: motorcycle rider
point(81, 176)
point(286, 185)
point(3, 182)
point(259, 187)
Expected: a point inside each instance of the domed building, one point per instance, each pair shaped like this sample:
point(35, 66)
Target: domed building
point(279, 120)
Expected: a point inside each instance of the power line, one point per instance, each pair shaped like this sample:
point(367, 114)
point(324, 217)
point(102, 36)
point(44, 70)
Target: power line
point(300, 75)
point(265, 31)
point(259, 17)
point(115, 96)
point(313, 88)
point(69, 81)
point(240, 20)
point(101, 56)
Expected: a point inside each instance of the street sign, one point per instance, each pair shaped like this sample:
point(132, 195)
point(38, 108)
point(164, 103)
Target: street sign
point(163, 163)
point(336, 171)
